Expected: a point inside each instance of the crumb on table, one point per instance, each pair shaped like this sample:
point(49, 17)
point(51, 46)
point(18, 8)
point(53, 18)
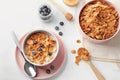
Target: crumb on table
point(73, 51)
point(78, 41)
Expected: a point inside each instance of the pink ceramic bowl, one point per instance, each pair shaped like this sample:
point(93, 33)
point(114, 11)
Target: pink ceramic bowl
point(95, 40)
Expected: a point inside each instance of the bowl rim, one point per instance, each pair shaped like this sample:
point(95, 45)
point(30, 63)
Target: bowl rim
point(46, 32)
point(95, 40)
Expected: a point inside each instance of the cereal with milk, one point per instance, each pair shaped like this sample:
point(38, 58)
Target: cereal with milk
point(38, 47)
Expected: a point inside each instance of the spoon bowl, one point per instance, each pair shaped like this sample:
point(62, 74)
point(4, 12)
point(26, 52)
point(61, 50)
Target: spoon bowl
point(30, 69)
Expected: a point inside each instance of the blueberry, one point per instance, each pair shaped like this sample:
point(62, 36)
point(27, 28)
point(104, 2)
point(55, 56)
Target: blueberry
point(33, 52)
point(45, 6)
point(49, 11)
point(61, 23)
point(41, 45)
point(40, 10)
point(50, 54)
point(52, 67)
point(41, 13)
point(40, 49)
point(60, 33)
point(45, 13)
point(48, 71)
point(35, 42)
point(57, 28)
point(42, 7)
point(46, 10)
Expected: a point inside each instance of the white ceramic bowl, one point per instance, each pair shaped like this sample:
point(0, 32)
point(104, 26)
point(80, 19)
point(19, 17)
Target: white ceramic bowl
point(46, 32)
point(49, 17)
point(95, 40)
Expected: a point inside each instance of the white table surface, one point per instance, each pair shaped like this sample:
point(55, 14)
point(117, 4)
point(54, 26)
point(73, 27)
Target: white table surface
point(22, 16)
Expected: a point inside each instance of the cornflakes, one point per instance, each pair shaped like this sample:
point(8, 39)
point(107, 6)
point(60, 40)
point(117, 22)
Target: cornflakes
point(38, 47)
point(99, 20)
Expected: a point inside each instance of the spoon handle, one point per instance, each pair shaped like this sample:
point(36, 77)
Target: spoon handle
point(97, 73)
point(57, 6)
point(17, 43)
point(67, 15)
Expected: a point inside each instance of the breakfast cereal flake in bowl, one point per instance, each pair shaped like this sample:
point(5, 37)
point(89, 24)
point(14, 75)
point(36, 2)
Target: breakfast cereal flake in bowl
point(40, 47)
point(99, 21)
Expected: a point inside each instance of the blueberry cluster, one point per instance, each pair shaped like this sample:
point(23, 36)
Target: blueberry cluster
point(48, 71)
point(57, 28)
point(45, 10)
point(41, 47)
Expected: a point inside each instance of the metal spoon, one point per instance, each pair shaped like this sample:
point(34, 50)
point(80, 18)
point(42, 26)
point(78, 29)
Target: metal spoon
point(28, 67)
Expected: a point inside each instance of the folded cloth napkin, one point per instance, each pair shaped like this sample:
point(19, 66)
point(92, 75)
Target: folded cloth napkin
point(108, 51)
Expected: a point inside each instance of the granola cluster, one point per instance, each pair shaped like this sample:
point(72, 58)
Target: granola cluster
point(99, 20)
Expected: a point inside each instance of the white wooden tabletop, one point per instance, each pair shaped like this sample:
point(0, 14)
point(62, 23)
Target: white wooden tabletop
point(22, 16)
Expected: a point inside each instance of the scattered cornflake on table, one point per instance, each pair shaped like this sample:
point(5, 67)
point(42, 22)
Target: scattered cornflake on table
point(73, 51)
point(78, 58)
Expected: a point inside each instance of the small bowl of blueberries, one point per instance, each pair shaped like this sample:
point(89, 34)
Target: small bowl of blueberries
point(45, 12)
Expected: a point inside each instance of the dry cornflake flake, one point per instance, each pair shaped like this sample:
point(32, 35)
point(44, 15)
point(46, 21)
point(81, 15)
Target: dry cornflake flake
point(78, 41)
